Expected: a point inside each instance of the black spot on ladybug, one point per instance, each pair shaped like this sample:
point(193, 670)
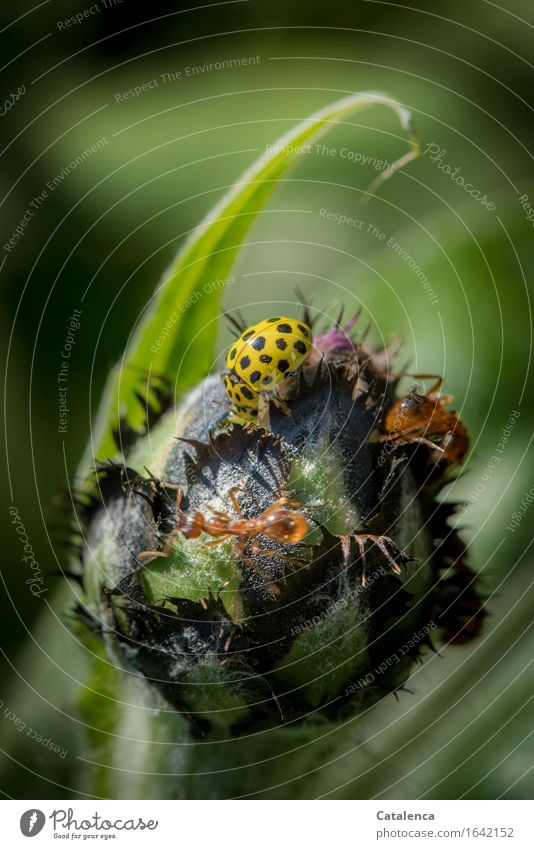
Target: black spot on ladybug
point(247, 335)
point(283, 365)
point(259, 343)
point(233, 353)
point(284, 328)
point(267, 380)
point(247, 393)
point(265, 358)
point(282, 344)
point(244, 362)
point(237, 396)
point(300, 347)
point(303, 330)
point(272, 320)
point(254, 376)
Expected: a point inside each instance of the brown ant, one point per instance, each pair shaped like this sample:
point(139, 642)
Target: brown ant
point(424, 416)
point(277, 522)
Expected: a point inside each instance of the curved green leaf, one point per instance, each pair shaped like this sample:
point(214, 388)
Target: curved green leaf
point(181, 308)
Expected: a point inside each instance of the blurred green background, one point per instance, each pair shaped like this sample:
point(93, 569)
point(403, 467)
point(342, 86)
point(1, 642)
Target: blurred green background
point(99, 239)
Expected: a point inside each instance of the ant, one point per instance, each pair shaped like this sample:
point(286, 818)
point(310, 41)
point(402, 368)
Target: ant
point(277, 522)
point(425, 414)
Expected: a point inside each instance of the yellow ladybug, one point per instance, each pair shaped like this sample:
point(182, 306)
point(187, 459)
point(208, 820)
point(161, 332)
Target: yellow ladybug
point(244, 399)
point(267, 352)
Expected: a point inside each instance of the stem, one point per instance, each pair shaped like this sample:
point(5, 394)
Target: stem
point(149, 751)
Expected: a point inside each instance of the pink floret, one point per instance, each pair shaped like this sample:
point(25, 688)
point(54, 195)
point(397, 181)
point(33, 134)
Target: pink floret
point(337, 339)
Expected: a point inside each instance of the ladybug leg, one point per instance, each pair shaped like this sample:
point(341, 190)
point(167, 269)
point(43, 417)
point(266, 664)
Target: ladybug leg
point(282, 406)
point(263, 419)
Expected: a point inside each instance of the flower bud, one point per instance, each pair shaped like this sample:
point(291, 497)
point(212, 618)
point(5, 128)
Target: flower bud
point(245, 630)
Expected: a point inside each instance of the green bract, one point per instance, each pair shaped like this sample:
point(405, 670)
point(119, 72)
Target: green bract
point(236, 639)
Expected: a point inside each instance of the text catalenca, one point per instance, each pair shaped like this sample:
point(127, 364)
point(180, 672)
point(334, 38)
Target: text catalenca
point(402, 815)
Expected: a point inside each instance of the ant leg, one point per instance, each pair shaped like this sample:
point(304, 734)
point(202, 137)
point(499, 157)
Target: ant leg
point(233, 497)
point(270, 585)
point(255, 548)
point(297, 561)
point(430, 444)
point(179, 490)
point(269, 552)
point(361, 546)
point(217, 541)
point(292, 502)
point(282, 492)
point(405, 437)
point(379, 541)
point(424, 441)
point(147, 556)
point(435, 386)
point(240, 552)
point(219, 513)
point(280, 502)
